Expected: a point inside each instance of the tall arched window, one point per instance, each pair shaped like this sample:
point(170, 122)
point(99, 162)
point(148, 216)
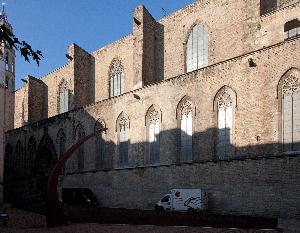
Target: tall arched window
point(101, 160)
point(291, 29)
point(153, 124)
point(291, 113)
point(8, 161)
point(19, 159)
point(63, 103)
point(61, 141)
point(197, 49)
point(31, 153)
point(116, 78)
point(123, 138)
point(225, 102)
point(80, 153)
point(186, 129)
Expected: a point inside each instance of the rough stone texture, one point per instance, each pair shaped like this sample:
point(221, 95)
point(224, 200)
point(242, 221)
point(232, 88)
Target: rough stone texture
point(263, 189)
point(37, 97)
point(259, 180)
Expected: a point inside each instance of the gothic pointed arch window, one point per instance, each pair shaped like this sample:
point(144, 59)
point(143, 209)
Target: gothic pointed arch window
point(185, 110)
point(61, 141)
point(290, 107)
point(8, 161)
point(19, 159)
point(80, 133)
point(225, 101)
point(197, 49)
point(123, 139)
point(32, 154)
point(116, 78)
point(63, 97)
point(153, 119)
point(101, 159)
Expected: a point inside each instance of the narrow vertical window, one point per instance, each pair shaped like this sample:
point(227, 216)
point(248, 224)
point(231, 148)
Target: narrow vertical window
point(153, 124)
point(80, 154)
point(101, 160)
point(197, 49)
point(116, 77)
point(122, 127)
point(31, 153)
point(19, 159)
point(63, 97)
point(225, 148)
point(291, 114)
point(8, 161)
point(61, 141)
point(186, 126)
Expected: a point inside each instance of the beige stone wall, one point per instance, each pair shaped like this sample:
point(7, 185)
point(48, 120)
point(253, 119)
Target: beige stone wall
point(21, 107)
point(37, 97)
point(52, 80)
point(257, 113)
point(271, 25)
point(123, 49)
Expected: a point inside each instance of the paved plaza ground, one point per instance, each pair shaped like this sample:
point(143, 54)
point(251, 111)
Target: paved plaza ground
point(23, 221)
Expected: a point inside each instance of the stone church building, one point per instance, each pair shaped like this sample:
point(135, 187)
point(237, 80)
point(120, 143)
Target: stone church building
point(207, 97)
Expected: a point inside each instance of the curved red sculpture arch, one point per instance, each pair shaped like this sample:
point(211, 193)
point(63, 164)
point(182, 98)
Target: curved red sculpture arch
point(54, 208)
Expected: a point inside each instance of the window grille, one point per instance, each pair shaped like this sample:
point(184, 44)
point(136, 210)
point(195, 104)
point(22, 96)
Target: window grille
point(225, 148)
point(123, 125)
point(116, 78)
point(197, 49)
point(291, 114)
point(186, 123)
point(291, 29)
point(153, 134)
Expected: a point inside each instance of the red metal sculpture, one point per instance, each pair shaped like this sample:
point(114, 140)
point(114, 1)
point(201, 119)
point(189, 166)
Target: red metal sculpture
point(54, 208)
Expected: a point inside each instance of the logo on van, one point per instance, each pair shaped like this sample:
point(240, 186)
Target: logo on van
point(177, 194)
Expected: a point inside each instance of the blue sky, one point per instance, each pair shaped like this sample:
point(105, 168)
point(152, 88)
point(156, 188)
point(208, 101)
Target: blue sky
point(51, 25)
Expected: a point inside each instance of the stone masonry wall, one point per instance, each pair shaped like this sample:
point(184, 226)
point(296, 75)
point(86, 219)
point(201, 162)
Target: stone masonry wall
point(248, 184)
point(122, 49)
point(37, 97)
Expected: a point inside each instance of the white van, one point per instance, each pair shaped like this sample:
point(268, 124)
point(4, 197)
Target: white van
point(183, 200)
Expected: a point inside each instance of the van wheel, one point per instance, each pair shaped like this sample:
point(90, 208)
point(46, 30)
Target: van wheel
point(159, 208)
point(191, 210)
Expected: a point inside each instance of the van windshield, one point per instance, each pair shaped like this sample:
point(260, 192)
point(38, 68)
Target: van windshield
point(165, 199)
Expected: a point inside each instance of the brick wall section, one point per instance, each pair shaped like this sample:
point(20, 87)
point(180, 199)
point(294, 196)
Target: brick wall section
point(83, 76)
point(21, 106)
point(37, 97)
point(144, 47)
point(123, 49)
point(270, 27)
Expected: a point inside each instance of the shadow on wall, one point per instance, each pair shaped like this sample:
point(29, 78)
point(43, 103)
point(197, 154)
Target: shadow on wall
point(28, 164)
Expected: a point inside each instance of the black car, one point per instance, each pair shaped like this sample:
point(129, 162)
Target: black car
point(79, 196)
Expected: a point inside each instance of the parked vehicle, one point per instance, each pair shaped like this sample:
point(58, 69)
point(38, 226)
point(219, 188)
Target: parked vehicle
point(79, 196)
point(183, 200)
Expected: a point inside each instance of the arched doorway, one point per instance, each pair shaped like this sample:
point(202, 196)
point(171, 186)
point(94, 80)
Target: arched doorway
point(45, 160)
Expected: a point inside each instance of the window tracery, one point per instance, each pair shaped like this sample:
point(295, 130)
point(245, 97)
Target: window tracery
point(116, 77)
point(153, 135)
